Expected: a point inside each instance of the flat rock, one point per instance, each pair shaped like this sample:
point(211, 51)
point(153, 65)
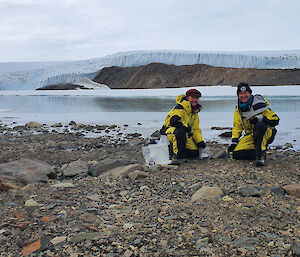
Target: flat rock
point(245, 241)
point(227, 134)
point(33, 124)
point(106, 165)
point(207, 192)
point(123, 171)
point(31, 203)
point(249, 191)
point(57, 240)
point(63, 185)
point(57, 125)
point(24, 171)
point(137, 174)
point(293, 189)
point(279, 191)
point(77, 168)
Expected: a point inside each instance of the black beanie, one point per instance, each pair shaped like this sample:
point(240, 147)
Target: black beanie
point(243, 87)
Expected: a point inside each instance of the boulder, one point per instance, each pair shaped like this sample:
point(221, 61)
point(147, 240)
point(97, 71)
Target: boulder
point(123, 171)
point(207, 193)
point(24, 171)
point(33, 124)
point(106, 165)
point(57, 125)
point(293, 189)
point(77, 168)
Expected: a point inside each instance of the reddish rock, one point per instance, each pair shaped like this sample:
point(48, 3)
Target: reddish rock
point(31, 248)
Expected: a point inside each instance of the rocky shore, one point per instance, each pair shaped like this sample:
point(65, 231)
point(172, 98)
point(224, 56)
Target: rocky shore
point(65, 194)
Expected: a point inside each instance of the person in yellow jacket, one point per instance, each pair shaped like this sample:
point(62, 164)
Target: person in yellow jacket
point(253, 117)
point(182, 127)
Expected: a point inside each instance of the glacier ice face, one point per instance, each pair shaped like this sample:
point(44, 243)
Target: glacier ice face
point(68, 72)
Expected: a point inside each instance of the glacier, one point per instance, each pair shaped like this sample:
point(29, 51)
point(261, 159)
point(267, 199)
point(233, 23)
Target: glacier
point(34, 75)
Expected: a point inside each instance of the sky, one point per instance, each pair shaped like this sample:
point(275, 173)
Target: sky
point(57, 30)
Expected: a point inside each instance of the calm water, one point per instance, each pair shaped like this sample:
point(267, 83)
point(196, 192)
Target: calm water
point(150, 111)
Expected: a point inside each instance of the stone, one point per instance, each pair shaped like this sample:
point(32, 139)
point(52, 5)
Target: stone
point(24, 171)
point(31, 203)
point(95, 198)
point(202, 242)
point(36, 246)
point(33, 124)
point(7, 186)
point(137, 174)
point(63, 185)
point(77, 168)
point(89, 218)
point(128, 253)
point(123, 171)
point(245, 241)
point(227, 134)
point(57, 125)
point(57, 240)
point(85, 236)
point(207, 193)
point(127, 226)
point(295, 248)
point(249, 191)
point(106, 165)
point(144, 188)
point(293, 189)
point(279, 191)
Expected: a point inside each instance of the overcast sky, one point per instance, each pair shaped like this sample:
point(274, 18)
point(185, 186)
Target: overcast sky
point(46, 30)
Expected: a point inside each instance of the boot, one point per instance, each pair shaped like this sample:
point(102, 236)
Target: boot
point(261, 159)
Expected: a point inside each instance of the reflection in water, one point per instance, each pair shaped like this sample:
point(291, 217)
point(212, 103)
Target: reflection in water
point(78, 104)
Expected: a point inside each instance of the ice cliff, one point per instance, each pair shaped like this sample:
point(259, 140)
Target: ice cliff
point(66, 72)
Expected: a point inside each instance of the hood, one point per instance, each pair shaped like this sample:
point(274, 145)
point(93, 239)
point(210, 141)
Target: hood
point(182, 100)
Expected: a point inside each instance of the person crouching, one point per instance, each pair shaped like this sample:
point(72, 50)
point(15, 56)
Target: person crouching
point(253, 116)
point(182, 127)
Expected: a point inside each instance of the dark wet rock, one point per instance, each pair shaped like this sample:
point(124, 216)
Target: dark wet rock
point(227, 134)
point(249, 191)
point(106, 165)
point(25, 171)
point(221, 128)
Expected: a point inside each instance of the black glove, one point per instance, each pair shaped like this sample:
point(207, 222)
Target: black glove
point(232, 147)
point(188, 130)
point(256, 119)
point(201, 144)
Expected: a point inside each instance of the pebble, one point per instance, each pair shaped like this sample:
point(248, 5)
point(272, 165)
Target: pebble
point(58, 240)
point(249, 191)
point(31, 203)
point(63, 185)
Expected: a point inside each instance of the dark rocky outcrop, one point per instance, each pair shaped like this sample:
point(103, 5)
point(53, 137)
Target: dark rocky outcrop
point(67, 86)
point(159, 75)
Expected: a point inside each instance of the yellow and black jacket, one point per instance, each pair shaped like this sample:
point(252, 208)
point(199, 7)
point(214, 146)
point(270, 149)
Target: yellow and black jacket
point(182, 116)
point(242, 120)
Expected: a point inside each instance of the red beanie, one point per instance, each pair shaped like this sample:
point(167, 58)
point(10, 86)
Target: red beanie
point(193, 92)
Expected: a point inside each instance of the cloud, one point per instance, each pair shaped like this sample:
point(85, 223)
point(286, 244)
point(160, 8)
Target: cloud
point(34, 30)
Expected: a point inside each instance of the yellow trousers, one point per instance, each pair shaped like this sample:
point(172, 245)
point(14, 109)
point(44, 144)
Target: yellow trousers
point(247, 141)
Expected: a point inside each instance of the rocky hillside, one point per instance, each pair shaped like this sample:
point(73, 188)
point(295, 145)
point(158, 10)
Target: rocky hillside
point(159, 75)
